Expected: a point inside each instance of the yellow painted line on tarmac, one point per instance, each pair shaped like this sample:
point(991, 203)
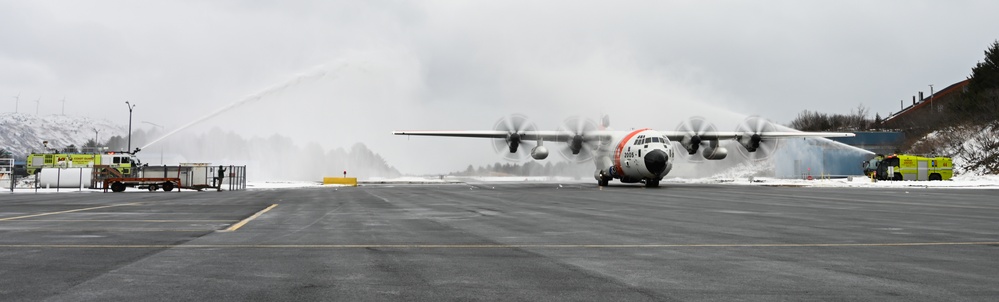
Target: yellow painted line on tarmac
point(68, 211)
point(247, 220)
point(494, 246)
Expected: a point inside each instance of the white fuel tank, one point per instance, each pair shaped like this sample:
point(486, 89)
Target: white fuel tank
point(64, 177)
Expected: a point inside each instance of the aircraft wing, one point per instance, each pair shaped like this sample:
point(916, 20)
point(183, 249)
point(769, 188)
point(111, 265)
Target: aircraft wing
point(720, 135)
point(548, 136)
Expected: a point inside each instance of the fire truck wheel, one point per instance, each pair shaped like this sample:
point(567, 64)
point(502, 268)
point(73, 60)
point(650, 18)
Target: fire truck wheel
point(898, 176)
point(168, 186)
point(935, 176)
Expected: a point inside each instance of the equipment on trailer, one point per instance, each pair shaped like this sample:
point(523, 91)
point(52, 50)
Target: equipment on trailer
point(909, 167)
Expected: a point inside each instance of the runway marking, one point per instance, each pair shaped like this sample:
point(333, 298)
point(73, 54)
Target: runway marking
point(117, 220)
point(881, 202)
point(247, 220)
point(68, 211)
point(492, 246)
point(113, 230)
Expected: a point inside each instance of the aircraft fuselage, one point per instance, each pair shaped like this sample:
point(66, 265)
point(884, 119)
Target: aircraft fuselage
point(642, 155)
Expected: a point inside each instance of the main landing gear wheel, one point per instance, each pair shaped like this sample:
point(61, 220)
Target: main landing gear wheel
point(603, 183)
point(651, 183)
point(168, 186)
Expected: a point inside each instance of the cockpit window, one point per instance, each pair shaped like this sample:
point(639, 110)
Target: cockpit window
point(655, 139)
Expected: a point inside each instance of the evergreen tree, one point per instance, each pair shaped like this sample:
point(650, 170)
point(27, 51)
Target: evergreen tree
point(985, 75)
point(980, 103)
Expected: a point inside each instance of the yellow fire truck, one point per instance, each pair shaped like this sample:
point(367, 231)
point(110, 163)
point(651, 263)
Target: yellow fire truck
point(123, 162)
point(909, 167)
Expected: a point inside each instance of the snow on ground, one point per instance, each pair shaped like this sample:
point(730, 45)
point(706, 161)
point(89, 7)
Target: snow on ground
point(740, 177)
point(270, 185)
point(859, 181)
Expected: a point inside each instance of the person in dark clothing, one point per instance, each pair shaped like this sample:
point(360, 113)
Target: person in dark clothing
point(220, 177)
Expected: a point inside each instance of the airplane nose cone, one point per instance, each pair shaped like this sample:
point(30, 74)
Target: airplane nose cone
point(655, 161)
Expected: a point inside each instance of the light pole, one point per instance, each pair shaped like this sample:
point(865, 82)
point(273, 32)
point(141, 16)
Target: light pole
point(161, 147)
point(130, 106)
point(932, 106)
point(97, 143)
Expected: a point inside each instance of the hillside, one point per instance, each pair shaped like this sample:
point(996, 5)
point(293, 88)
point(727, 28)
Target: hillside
point(975, 148)
point(22, 133)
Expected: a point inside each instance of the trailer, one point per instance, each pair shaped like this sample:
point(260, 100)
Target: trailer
point(150, 183)
point(192, 176)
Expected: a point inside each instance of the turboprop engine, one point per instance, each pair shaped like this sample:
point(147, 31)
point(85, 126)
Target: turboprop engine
point(515, 126)
point(754, 146)
point(697, 138)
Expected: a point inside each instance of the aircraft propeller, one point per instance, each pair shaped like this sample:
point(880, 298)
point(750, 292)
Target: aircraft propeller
point(754, 147)
point(580, 147)
point(513, 146)
point(695, 127)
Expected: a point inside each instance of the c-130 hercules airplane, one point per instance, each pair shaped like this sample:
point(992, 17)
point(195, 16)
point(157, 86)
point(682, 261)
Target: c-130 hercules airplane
point(641, 155)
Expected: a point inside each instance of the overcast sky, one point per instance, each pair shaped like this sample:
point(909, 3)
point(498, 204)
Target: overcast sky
point(341, 72)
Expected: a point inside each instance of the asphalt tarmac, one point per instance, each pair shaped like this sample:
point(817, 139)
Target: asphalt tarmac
point(503, 241)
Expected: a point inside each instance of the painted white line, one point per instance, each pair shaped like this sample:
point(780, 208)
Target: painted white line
point(63, 212)
point(497, 246)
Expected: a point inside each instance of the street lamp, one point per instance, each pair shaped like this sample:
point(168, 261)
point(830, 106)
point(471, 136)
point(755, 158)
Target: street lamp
point(97, 143)
point(161, 147)
point(932, 106)
point(130, 106)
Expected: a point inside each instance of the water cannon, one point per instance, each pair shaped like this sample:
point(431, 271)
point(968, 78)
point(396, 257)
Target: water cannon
point(136, 151)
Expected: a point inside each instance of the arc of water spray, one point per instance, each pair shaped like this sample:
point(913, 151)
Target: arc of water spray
point(318, 72)
point(828, 141)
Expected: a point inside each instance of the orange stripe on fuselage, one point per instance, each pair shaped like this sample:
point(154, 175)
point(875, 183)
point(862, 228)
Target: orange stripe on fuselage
point(620, 147)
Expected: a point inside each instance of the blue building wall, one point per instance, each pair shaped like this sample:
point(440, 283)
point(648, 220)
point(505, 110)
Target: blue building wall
point(877, 142)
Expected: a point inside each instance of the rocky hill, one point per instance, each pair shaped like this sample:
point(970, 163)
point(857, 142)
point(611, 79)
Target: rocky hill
point(275, 157)
point(22, 133)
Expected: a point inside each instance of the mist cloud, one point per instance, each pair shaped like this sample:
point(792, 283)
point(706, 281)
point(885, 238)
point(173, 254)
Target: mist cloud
point(447, 65)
